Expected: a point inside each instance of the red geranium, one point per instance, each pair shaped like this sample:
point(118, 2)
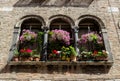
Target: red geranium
point(95, 52)
point(25, 50)
point(22, 50)
point(55, 51)
point(28, 50)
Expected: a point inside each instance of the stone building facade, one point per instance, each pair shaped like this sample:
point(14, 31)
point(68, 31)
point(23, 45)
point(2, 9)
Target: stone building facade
point(105, 12)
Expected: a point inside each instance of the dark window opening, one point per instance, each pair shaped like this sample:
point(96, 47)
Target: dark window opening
point(31, 24)
point(88, 25)
point(61, 24)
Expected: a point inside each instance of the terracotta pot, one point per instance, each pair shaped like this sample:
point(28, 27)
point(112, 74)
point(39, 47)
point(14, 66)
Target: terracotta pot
point(73, 58)
point(36, 59)
point(31, 58)
point(15, 59)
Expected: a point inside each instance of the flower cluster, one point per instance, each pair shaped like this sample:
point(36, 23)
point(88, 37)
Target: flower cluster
point(91, 37)
point(102, 53)
point(60, 35)
point(54, 53)
point(94, 54)
point(25, 52)
point(27, 35)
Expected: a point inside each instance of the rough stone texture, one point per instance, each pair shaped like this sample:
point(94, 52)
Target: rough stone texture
point(99, 8)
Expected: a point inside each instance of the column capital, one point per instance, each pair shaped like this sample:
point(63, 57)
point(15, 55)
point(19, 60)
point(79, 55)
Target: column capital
point(75, 28)
point(104, 30)
point(45, 28)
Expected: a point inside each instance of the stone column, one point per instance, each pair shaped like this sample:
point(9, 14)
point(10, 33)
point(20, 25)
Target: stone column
point(76, 39)
point(15, 40)
point(107, 45)
point(45, 43)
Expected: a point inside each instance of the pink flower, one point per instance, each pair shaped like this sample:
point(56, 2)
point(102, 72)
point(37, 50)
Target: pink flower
point(28, 50)
point(60, 35)
point(27, 35)
point(92, 36)
point(22, 50)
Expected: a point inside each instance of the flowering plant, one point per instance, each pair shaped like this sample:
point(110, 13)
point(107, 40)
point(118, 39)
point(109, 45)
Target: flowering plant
point(67, 53)
point(60, 35)
point(26, 52)
point(54, 53)
point(102, 53)
point(27, 35)
point(16, 53)
point(91, 37)
point(94, 55)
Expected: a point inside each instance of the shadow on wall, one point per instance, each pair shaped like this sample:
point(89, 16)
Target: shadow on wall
point(53, 3)
point(51, 69)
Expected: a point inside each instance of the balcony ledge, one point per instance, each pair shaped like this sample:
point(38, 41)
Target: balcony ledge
point(44, 63)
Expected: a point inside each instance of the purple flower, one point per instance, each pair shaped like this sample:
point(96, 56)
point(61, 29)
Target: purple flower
point(92, 36)
point(27, 35)
point(60, 35)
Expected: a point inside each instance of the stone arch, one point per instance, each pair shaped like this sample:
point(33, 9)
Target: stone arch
point(92, 17)
point(17, 31)
point(39, 18)
point(64, 17)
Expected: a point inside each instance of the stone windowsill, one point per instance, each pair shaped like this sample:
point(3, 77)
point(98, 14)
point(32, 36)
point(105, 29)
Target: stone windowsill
point(60, 63)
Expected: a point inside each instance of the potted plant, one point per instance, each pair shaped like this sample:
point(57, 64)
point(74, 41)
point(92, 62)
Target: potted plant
point(73, 53)
point(54, 56)
point(65, 53)
point(100, 55)
point(36, 57)
point(86, 56)
point(16, 55)
point(25, 53)
point(31, 56)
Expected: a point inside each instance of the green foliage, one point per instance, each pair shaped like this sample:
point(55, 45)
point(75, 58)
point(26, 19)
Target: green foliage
point(16, 53)
point(50, 33)
point(40, 37)
point(82, 48)
point(69, 51)
point(101, 54)
point(36, 56)
point(40, 41)
point(55, 46)
point(66, 51)
point(73, 51)
point(35, 53)
point(86, 54)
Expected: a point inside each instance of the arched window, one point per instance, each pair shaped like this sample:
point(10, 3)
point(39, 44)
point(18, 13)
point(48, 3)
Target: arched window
point(89, 32)
point(93, 42)
point(62, 34)
point(28, 39)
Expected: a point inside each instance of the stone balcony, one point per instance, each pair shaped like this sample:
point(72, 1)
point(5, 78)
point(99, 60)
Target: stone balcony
point(58, 66)
point(60, 63)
